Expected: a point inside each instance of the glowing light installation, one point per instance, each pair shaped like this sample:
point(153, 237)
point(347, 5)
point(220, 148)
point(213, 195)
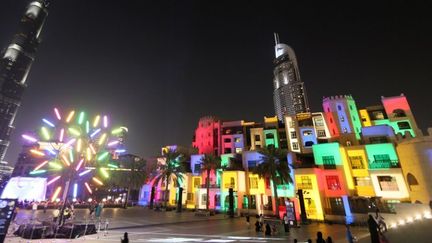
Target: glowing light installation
point(75, 152)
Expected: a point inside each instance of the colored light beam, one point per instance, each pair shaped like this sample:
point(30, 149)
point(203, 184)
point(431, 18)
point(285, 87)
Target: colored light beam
point(70, 142)
point(69, 117)
point(79, 165)
point(97, 181)
point(96, 121)
point(41, 165)
point(113, 166)
point(73, 131)
point(53, 180)
point(105, 121)
point(87, 126)
point(71, 156)
point(81, 117)
point(75, 190)
point(57, 113)
point(56, 193)
point(112, 143)
point(37, 172)
point(78, 147)
point(104, 172)
point(84, 172)
point(65, 160)
point(61, 136)
point(119, 151)
point(116, 131)
point(102, 139)
point(102, 156)
point(55, 165)
point(95, 132)
point(45, 133)
point(88, 187)
point(37, 152)
point(29, 138)
point(88, 153)
point(92, 148)
point(48, 122)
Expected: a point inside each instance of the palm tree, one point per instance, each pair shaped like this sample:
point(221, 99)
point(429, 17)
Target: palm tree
point(133, 177)
point(208, 163)
point(274, 166)
point(172, 168)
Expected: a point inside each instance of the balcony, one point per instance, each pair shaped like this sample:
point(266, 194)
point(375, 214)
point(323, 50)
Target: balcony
point(384, 164)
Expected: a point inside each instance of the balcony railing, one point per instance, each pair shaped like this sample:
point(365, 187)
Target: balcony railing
point(384, 164)
point(229, 185)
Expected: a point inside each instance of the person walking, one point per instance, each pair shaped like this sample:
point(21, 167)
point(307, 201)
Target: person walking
point(45, 206)
point(56, 214)
point(91, 209)
point(267, 230)
point(257, 226)
point(34, 209)
point(329, 240)
point(320, 238)
point(373, 229)
point(125, 238)
point(248, 221)
point(286, 223)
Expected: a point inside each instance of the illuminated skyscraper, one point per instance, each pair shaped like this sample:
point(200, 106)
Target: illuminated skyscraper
point(289, 94)
point(15, 65)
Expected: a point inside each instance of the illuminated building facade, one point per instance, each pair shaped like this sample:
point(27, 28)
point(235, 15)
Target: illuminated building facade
point(289, 93)
point(346, 162)
point(15, 66)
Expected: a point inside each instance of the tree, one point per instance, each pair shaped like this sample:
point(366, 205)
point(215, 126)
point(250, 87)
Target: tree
point(274, 165)
point(208, 163)
point(133, 177)
point(171, 168)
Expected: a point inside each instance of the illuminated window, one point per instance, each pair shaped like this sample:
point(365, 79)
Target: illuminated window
point(319, 122)
point(190, 196)
point(342, 119)
point(253, 182)
point(293, 135)
point(356, 162)
point(204, 198)
point(305, 182)
point(362, 181)
point(252, 163)
point(257, 138)
point(238, 150)
point(329, 162)
point(321, 133)
point(295, 145)
point(333, 183)
point(197, 168)
point(237, 140)
point(269, 135)
point(197, 182)
point(388, 183)
point(404, 125)
point(307, 133)
point(339, 107)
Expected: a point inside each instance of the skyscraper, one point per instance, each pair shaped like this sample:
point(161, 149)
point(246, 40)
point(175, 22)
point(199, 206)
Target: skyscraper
point(15, 65)
point(289, 94)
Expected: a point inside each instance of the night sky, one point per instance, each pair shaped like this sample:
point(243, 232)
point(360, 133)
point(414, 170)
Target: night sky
point(158, 66)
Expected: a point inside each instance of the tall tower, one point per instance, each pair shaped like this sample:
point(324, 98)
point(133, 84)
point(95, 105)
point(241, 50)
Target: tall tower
point(289, 94)
point(15, 64)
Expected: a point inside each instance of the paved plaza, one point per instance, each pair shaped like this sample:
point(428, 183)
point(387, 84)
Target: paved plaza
point(144, 225)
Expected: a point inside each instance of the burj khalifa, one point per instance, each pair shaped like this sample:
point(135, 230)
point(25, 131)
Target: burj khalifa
point(15, 63)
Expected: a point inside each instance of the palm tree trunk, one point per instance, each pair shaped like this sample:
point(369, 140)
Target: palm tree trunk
point(276, 198)
point(208, 190)
point(127, 197)
point(166, 192)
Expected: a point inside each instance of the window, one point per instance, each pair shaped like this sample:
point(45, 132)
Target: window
point(321, 133)
point(381, 139)
point(342, 119)
point(329, 162)
point(237, 140)
point(362, 181)
point(348, 143)
point(227, 150)
point(227, 140)
point(345, 130)
point(204, 198)
point(378, 158)
point(295, 146)
point(269, 135)
point(196, 182)
point(307, 133)
point(333, 183)
point(388, 183)
point(305, 182)
point(190, 196)
point(356, 162)
point(253, 182)
point(399, 113)
point(293, 135)
point(257, 138)
point(412, 181)
point(339, 107)
point(350, 106)
point(238, 150)
point(404, 125)
point(197, 168)
point(319, 122)
point(331, 120)
point(336, 206)
point(378, 115)
point(252, 163)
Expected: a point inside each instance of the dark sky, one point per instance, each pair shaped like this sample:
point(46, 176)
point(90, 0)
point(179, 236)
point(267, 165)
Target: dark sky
point(158, 66)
